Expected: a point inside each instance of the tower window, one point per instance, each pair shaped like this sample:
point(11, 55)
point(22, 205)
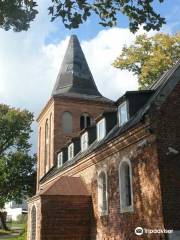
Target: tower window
point(125, 184)
point(85, 121)
point(70, 151)
point(67, 122)
point(102, 193)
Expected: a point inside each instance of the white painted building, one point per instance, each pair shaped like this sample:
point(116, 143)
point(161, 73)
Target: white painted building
point(14, 210)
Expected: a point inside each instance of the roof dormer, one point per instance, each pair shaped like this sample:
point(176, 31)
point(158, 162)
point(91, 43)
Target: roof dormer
point(130, 103)
point(123, 113)
point(105, 123)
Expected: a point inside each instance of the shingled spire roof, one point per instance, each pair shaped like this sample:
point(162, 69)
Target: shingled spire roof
point(75, 77)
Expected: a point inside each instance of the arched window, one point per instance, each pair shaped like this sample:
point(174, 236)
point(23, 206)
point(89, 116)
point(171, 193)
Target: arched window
point(67, 122)
point(50, 135)
point(39, 144)
point(85, 120)
point(125, 184)
point(39, 152)
point(33, 223)
point(102, 193)
point(46, 145)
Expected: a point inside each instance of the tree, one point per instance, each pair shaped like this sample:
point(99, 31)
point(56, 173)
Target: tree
point(18, 14)
point(149, 57)
point(17, 167)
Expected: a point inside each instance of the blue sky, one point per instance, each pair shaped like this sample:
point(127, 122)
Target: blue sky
point(30, 61)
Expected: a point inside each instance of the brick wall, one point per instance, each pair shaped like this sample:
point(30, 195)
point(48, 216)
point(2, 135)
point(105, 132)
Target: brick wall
point(167, 129)
point(41, 169)
point(156, 178)
point(146, 189)
point(66, 217)
point(146, 195)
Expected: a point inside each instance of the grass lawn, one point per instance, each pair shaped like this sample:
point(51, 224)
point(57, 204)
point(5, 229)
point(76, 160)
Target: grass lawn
point(4, 232)
point(16, 225)
point(13, 227)
point(22, 237)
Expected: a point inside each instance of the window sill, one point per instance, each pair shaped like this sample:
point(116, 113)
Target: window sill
point(127, 209)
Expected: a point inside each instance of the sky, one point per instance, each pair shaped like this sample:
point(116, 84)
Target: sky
point(30, 61)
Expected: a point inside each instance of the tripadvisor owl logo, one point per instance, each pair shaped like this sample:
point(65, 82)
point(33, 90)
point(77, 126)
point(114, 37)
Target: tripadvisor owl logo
point(138, 231)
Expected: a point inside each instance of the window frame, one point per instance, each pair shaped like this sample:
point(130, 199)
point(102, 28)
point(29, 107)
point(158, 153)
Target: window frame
point(69, 147)
point(60, 159)
point(123, 207)
point(102, 212)
point(103, 120)
point(84, 135)
point(127, 112)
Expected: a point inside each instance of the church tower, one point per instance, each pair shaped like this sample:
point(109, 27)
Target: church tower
point(74, 104)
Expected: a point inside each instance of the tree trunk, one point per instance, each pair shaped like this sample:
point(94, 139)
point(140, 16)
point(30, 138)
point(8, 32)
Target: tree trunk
point(3, 220)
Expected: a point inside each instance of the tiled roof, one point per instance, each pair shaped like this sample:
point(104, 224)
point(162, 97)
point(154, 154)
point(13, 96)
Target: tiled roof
point(65, 186)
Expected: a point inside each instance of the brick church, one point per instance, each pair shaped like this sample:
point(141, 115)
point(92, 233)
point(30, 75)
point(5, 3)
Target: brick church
point(107, 170)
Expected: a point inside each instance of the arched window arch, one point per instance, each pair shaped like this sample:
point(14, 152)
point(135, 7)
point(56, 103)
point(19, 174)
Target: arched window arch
point(85, 120)
point(33, 223)
point(67, 122)
point(46, 145)
point(102, 193)
point(125, 186)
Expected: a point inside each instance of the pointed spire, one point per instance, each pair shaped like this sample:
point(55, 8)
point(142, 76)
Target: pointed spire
point(75, 75)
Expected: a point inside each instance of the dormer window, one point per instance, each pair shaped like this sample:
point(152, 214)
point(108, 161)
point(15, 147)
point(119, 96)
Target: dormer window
point(70, 151)
point(84, 141)
point(123, 113)
point(60, 159)
point(101, 129)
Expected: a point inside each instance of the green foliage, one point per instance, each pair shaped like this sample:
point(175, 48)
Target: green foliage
point(17, 167)
point(18, 14)
point(150, 57)
point(73, 13)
